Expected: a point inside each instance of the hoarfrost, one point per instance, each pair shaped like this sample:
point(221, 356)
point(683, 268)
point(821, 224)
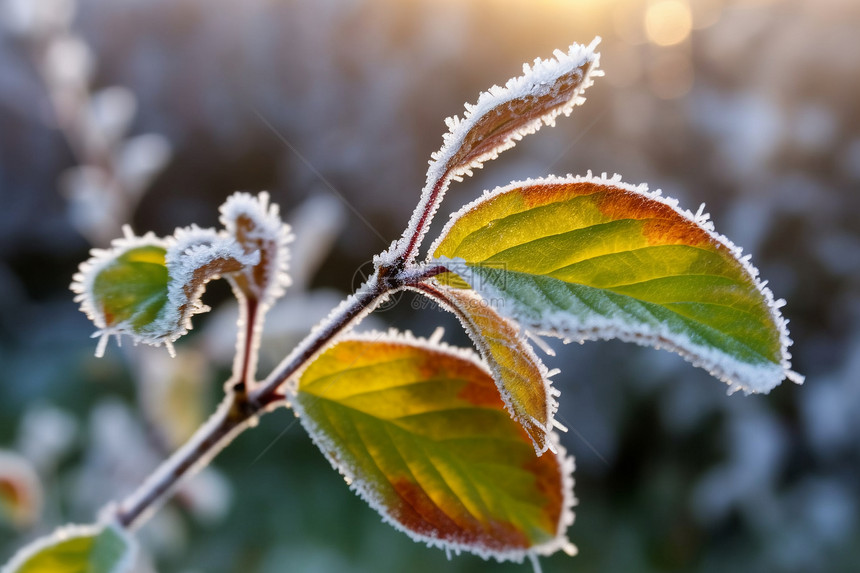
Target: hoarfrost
point(560, 79)
point(463, 305)
point(194, 256)
point(739, 375)
point(68, 532)
point(257, 225)
point(374, 498)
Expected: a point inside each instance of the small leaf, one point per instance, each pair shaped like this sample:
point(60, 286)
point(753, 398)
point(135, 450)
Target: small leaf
point(502, 116)
point(149, 287)
point(521, 377)
point(421, 433)
point(587, 258)
point(76, 549)
point(20, 490)
point(257, 227)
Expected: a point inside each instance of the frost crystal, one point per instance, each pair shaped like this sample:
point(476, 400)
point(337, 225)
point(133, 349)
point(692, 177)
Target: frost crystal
point(375, 498)
point(501, 117)
point(739, 375)
point(149, 288)
point(256, 225)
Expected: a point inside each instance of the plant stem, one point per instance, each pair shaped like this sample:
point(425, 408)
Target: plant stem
point(247, 344)
point(224, 425)
point(422, 217)
point(356, 306)
point(239, 410)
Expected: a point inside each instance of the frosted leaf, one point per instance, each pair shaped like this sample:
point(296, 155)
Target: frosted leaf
point(149, 288)
point(522, 379)
point(503, 116)
point(256, 225)
point(588, 258)
point(104, 548)
point(419, 431)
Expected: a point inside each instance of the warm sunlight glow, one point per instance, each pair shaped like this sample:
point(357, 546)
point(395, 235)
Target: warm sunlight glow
point(668, 22)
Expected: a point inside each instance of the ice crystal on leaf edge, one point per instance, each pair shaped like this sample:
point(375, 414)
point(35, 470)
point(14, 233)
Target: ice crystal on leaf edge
point(737, 375)
point(566, 462)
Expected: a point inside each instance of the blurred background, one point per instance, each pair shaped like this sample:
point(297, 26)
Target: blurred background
point(151, 112)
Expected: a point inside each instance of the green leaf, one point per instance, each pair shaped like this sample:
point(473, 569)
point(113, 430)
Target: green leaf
point(421, 433)
point(149, 287)
point(76, 549)
point(587, 258)
point(521, 377)
point(132, 288)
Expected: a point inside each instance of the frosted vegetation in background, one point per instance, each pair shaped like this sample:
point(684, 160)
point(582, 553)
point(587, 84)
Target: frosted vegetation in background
point(783, 190)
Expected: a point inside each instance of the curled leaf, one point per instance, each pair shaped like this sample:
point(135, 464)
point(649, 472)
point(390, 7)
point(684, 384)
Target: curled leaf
point(420, 432)
point(149, 288)
point(257, 226)
point(587, 258)
point(521, 377)
point(76, 549)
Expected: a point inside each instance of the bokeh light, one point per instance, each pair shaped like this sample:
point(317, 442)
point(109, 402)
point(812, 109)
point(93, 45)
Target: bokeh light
point(668, 22)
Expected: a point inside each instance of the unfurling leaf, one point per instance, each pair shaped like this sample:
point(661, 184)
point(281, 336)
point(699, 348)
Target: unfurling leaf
point(20, 491)
point(257, 227)
point(76, 549)
point(521, 377)
point(150, 287)
point(588, 258)
point(420, 431)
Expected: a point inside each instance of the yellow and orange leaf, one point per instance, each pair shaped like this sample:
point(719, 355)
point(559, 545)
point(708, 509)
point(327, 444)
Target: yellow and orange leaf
point(521, 377)
point(420, 432)
point(586, 258)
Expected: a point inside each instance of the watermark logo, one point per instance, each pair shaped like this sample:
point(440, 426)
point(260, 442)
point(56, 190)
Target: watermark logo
point(360, 276)
point(480, 275)
point(473, 306)
point(476, 276)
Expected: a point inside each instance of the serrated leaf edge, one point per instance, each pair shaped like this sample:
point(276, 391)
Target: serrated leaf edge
point(566, 462)
point(746, 377)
